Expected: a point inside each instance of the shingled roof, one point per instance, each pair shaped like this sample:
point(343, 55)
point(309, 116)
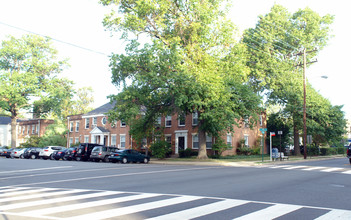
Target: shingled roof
point(104, 109)
point(5, 120)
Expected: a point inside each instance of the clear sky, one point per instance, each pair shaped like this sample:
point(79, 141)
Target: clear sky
point(79, 23)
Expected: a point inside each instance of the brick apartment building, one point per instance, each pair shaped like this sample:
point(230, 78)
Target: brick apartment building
point(94, 127)
point(31, 127)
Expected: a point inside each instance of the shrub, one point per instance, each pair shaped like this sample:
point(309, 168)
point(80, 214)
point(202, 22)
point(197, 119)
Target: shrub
point(185, 153)
point(161, 149)
point(313, 150)
point(244, 151)
point(220, 146)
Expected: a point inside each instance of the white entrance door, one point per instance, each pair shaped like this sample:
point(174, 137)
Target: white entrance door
point(181, 140)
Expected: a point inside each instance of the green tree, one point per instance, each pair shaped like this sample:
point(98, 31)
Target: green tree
point(55, 135)
point(28, 68)
point(191, 63)
point(274, 45)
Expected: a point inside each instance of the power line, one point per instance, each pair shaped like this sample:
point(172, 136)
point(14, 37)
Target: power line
point(57, 40)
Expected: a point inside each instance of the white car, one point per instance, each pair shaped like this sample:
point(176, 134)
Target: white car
point(46, 152)
point(18, 153)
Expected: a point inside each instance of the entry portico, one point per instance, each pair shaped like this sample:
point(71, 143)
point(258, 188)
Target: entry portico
point(100, 135)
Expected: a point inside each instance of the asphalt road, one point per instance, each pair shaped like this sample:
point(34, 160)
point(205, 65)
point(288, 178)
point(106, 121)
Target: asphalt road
point(45, 189)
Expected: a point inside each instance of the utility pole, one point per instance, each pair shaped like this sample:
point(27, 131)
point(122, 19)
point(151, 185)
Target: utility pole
point(304, 99)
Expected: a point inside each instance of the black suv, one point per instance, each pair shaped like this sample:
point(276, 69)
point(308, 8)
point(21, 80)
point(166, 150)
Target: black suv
point(84, 151)
point(32, 153)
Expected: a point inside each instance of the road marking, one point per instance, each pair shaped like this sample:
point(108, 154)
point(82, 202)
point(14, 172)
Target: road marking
point(201, 210)
point(54, 200)
point(135, 208)
point(294, 167)
point(332, 169)
point(275, 210)
point(21, 192)
point(44, 168)
point(271, 212)
point(116, 175)
point(336, 214)
point(66, 208)
point(315, 168)
point(347, 172)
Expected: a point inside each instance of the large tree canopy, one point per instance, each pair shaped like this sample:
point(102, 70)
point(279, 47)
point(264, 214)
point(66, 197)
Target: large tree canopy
point(275, 46)
point(191, 63)
point(29, 69)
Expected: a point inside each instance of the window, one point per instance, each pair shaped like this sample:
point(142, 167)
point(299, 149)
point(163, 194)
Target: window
point(229, 139)
point(168, 121)
point(181, 120)
point(195, 118)
point(123, 124)
point(113, 140)
point(77, 126)
point(37, 129)
point(158, 121)
point(144, 143)
point(168, 139)
point(70, 141)
point(195, 141)
point(76, 140)
point(28, 128)
point(261, 120)
point(87, 121)
point(94, 121)
point(71, 126)
point(23, 128)
point(208, 142)
point(113, 124)
point(246, 138)
point(103, 120)
point(246, 122)
point(33, 129)
point(123, 141)
point(86, 139)
point(19, 129)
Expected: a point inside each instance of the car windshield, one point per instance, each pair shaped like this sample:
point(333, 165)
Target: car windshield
point(96, 149)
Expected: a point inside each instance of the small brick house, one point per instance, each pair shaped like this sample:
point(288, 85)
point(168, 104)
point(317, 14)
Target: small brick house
point(31, 127)
point(180, 132)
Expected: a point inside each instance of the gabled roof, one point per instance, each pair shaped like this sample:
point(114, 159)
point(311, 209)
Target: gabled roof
point(99, 130)
point(5, 120)
point(102, 110)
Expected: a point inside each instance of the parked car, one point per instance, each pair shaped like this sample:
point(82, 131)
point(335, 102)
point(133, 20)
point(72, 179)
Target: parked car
point(18, 153)
point(2, 150)
point(32, 153)
point(126, 156)
point(349, 153)
point(101, 153)
point(70, 153)
point(46, 152)
point(7, 152)
point(59, 154)
point(84, 151)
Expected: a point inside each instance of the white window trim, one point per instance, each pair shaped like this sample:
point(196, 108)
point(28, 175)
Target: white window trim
point(197, 118)
point(86, 138)
point(120, 141)
point(115, 136)
point(85, 124)
point(71, 126)
point(183, 125)
point(192, 140)
point(168, 118)
point(122, 125)
point(246, 138)
point(231, 139)
point(77, 126)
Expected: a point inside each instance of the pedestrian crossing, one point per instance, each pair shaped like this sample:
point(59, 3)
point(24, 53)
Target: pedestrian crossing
point(76, 204)
point(311, 168)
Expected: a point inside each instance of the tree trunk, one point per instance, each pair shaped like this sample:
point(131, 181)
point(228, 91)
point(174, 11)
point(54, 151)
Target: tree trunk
point(202, 146)
point(296, 140)
point(13, 131)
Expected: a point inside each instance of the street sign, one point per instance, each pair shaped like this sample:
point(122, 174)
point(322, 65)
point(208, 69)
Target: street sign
point(272, 133)
point(280, 132)
point(263, 130)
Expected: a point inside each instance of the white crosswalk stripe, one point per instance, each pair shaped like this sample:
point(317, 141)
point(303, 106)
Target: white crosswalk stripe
point(311, 168)
point(113, 204)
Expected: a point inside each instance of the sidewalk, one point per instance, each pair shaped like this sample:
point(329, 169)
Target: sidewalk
point(217, 162)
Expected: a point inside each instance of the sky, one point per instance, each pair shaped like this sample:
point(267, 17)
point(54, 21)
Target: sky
point(77, 32)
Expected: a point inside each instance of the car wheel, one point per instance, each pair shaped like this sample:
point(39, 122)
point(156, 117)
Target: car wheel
point(52, 157)
point(78, 159)
point(350, 160)
point(33, 156)
point(21, 156)
point(105, 159)
point(146, 160)
point(124, 160)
